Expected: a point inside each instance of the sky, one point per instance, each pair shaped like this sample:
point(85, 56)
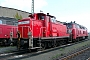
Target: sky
point(63, 10)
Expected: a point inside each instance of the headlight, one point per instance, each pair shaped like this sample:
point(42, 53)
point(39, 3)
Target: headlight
point(69, 31)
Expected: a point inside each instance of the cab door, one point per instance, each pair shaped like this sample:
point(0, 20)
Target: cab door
point(47, 26)
point(45, 29)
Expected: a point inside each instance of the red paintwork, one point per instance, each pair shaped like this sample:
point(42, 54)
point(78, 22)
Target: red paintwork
point(6, 29)
point(42, 28)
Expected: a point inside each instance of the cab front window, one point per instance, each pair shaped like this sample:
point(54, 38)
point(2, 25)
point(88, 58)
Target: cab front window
point(69, 25)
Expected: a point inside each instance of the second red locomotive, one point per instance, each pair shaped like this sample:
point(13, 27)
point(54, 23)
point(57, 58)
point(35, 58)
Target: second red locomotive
point(77, 31)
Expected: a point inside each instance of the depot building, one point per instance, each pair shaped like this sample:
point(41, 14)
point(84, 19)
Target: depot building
point(7, 15)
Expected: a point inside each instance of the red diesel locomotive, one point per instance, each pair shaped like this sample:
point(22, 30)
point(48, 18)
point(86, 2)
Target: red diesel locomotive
point(42, 30)
point(77, 31)
point(8, 34)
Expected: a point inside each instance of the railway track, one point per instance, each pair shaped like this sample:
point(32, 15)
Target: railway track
point(24, 54)
point(75, 54)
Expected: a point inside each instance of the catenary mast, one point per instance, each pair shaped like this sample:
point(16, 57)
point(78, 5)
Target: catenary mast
point(32, 7)
point(32, 11)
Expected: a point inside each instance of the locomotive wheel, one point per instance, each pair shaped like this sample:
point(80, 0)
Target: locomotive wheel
point(29, 50)
point(78, 39)
point(10, 43)
point(43, 45)
point(49, 45)
point(54, 45)
point(5, 42)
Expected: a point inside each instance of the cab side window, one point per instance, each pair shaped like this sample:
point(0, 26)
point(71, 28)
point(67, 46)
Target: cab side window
point(41, 17)
point(53, 20)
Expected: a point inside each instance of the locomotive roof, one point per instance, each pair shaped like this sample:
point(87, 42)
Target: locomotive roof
point(44, 14)
point(81, 26)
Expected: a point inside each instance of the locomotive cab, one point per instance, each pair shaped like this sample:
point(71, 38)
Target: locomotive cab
point(70, 27)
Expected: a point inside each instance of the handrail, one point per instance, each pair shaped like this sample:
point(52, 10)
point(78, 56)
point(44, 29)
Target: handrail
point(41, 31)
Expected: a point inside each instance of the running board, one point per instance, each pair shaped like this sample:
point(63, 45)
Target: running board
point(54, 37)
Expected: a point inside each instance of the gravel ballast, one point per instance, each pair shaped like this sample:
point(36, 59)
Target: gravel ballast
point(7, 49)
